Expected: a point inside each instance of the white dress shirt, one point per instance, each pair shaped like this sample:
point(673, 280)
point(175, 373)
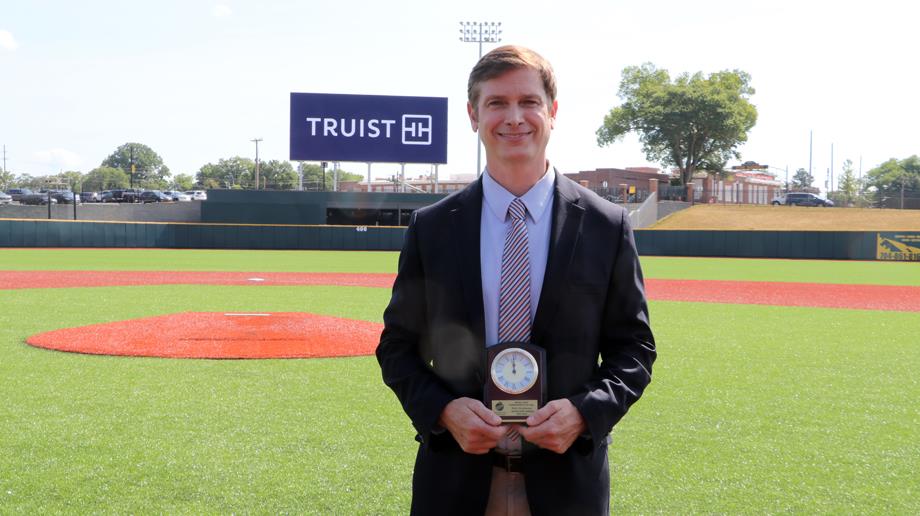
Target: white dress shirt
point(494, 224)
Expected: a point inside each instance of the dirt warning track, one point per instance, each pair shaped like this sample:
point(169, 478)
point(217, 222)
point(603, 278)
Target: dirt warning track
point(863, 297)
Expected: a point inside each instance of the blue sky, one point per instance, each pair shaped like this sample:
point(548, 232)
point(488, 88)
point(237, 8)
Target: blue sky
point(197, 80)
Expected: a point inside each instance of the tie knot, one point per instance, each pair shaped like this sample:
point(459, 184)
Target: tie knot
point(517, 210)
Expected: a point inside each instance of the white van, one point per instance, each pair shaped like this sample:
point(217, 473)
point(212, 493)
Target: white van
point(197, 195)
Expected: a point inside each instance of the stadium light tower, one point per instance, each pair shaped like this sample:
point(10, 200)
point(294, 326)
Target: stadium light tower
point(480, 32)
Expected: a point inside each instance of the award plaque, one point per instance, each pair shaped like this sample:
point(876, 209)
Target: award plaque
point(516, 385)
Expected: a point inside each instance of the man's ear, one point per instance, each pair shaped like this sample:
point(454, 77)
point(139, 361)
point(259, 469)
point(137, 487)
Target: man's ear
point(474, 117)
point(552, 114)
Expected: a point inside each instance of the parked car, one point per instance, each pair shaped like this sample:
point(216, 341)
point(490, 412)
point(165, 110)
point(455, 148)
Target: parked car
point(197, 195)
point(153, 196)
point(131, 195)
point(62, 196)
point(802, 199)
point(177, 195)
point(6, 198)
point(124, 195)
point(17, 193)
point(91, 197)
point(37, 198)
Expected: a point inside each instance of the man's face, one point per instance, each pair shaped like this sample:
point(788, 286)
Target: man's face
point(513, 117)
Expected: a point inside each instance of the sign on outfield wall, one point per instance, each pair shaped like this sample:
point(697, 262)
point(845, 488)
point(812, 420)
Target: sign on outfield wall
point(370, 128)
point(903, 247)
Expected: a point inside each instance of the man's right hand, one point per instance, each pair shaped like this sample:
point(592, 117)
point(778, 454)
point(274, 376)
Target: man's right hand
point(475, 428)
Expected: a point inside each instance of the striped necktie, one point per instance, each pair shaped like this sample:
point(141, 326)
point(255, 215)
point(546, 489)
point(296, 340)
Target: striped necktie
point(514, 292)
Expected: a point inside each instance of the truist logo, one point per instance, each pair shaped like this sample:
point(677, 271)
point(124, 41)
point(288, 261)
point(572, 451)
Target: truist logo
point(415, 130)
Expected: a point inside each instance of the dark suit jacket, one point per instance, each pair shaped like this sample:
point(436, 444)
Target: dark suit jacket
point(592, 319)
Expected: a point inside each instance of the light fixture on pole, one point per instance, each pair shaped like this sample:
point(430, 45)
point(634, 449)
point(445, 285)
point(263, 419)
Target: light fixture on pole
point(480, 32)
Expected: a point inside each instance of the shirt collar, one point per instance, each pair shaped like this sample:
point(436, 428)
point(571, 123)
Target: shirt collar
point(536, 199)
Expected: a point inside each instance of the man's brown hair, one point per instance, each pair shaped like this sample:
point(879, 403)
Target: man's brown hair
point(504, 59)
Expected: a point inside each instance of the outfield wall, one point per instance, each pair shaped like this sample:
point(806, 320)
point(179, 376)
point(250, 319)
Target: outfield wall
point(829, 245)
point(825, 245)
point(62, 233)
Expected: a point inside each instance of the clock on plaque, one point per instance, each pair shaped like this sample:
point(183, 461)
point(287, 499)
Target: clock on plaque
point(516, 386)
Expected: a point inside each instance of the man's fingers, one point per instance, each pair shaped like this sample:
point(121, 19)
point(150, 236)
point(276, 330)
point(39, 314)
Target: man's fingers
point(542, 415)
point(485, 414)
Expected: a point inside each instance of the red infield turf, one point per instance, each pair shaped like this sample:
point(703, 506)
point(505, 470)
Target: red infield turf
point(299, 335)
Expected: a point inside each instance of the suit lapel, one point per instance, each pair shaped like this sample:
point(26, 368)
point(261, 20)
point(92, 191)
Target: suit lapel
point(465, 219)
point(565, 232)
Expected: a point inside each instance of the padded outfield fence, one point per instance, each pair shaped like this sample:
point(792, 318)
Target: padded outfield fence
point(56, 233)
point(833, 245)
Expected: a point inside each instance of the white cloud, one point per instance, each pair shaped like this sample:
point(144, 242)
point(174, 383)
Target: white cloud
point(221, 11)
point(59, 159)
point(7, 41)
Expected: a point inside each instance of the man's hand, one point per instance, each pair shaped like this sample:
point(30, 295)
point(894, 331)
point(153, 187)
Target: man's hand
point(555, 426)
point(476, 428)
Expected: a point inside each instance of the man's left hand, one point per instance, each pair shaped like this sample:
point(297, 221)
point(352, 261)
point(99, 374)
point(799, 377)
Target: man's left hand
point(555, 426)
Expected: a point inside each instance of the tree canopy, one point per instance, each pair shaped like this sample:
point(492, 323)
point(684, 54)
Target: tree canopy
point(895, 177)
point(105, 178)
point(149, 170)
point(226, 173)
point(802, 179)
point(182, 182)
point(849, 184)
point(239, 172)
point(693, 122)
point(313, 176)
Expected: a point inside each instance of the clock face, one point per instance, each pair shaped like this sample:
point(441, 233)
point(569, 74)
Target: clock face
point(514, 370)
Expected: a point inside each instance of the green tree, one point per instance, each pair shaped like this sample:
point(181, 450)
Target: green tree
point(226, 173)
point(895, 180)
point(313, 176)
point(72, 178)
point(149, 170)
point(802, 179)
point(849, 185)
point(278, 175)
point(182, 182)
point(7, 180)
point(105, 178)
point(693, 122)
point(29, 181)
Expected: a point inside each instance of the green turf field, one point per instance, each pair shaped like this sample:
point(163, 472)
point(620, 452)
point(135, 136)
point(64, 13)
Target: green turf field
point(752, 409)
point(809, 271)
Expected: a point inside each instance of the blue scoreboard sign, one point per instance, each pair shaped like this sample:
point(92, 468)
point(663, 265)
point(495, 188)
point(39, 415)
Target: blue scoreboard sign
point(371, 128)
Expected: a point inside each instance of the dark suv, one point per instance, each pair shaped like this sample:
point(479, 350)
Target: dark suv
point(18, 193)
point(804, 199)
point(153, 196)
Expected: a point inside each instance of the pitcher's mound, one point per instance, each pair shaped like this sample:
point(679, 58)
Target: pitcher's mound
point(220, 335)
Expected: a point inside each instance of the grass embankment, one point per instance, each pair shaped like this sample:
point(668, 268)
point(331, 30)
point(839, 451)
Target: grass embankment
point(789, 218)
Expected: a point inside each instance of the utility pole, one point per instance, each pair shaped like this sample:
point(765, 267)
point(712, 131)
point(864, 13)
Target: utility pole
point(4, 159)
point(132, 166)
point(335, 176)
point(256, 141)
point(832, 166)
point(480, 32)
point(810, 135)
point(860, 183)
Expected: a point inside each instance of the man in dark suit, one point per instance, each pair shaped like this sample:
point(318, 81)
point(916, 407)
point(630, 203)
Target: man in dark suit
point(584, 303)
